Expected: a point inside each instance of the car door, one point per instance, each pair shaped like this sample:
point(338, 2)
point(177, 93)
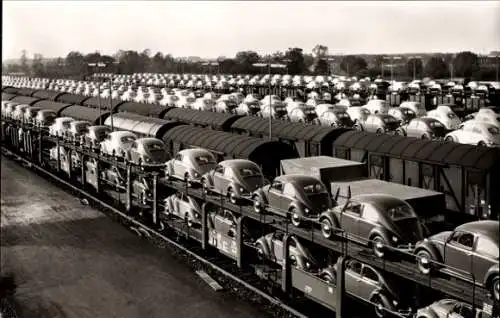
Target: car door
point(369, 282)
point(476, 135)
point(458, 251)
point(274, 195)
point(350, 218)
point(134, 154)
point(368, 220)
point(352, 276)
point(277, 247)
point(217, 177)
point(485, 253)
point(178, 166)
point(288, 196)
point(184, 205)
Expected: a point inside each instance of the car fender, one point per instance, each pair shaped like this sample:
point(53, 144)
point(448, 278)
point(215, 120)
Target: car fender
point(492, 272)
point(235, 187)
point(262, 196)
point(294, 205)
point(378, 231)
point(383, 296)
point(265, 247)
point(430, 248)
point(426, 313)
point(209, 180)
point(329, 215)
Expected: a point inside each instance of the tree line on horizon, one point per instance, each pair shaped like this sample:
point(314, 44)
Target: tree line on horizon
point(294, 60)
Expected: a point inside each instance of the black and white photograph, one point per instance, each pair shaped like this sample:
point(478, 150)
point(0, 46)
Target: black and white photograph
point(248, 159)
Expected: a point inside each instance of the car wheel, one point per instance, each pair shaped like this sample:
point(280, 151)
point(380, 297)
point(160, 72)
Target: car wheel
point(378, 245)
point(481, 144)
point(186, 180)
point(188, 220)
point(260, 251)
point(167, 174)
point(231, 196)
point(326, 227)
point(204, 186)
point(380, 131)
point(257, 204)
point(495, 288)
point(425, 137)
point(397, 132)
point(449, 139)
point(424, 262)
point(295, 217)
point(161, 226)
point(381, 305)
point(329, 278)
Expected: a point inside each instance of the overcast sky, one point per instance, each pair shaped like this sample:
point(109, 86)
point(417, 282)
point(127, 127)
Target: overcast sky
point(212, 29)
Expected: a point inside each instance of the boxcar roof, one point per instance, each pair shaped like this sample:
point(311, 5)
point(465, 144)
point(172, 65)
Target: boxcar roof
point(434, 152)
point(149, 110)
point(54, 106)
point(10, 89)
point(7, 96)
point(206, 118)
point(105, 103)
point(26, 91)
point(84, 113)
point(25, 100)
point(154, 127)
point(71, 98)
point(45, 94)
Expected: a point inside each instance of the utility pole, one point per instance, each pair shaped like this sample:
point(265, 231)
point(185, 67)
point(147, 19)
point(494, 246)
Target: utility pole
point(415, 58)
point(496, 65)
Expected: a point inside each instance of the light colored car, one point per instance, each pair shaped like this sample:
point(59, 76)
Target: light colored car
point(405, 115)
point(169, 100)
point(148, 152)
point(45, 117)
point(424, 128)
point(203, 104)
point(117, 143)
point(447, 308)
point(248, 108)
point(190, 164)
point(474, 132)
point(78, 128)
point(18, 113)
point(7, 108)
point(235, 179)
point(446, 116)
point(30, 114)
point(379, 123)
point(226, 106)
point(336, 118)
point(377, 106)
point(276, 110)
point(183, 206)
point(300, 112)
point(185, 101)
point(61, 126)
point(270, 247)
point(358, 113)
point(95, 135)
point(488, 115)
point(417, 107)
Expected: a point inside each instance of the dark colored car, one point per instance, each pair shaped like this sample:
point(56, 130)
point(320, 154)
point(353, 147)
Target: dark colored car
point(376, 220)
point(446, 308)
point(236, 179)
point(270, 247)
point(148, 152)
point(368, 284)
point(302, 197)
point(472, 248)
point(424, 128)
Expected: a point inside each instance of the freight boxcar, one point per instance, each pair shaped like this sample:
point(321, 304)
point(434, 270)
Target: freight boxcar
point(468, 175)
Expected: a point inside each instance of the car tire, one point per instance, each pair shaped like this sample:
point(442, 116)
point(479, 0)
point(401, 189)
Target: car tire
point(186, 180)
point(326, 228)
point(260, 252)
point(295, 217)
point(381, 305)
point(424, 262)
point(189, 222)
point(231, 196)
point(481, 144)
point(449, 139)
point(257, 204)
point(378, 246)
point(380, 131)
point(168, 177)
point(495, 288)
point(204, 186)
point(425, 137)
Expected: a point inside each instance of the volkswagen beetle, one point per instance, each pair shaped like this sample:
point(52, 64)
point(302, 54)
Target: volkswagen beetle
point(190, 164)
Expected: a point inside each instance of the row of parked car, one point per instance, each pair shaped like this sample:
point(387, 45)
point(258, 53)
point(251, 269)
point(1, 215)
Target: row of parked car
point(382, 222)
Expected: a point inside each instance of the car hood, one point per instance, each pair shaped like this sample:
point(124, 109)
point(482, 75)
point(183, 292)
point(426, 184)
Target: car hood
point(202, 169)
point(251, 183)
point(317, 202)
point(408, 229)
point(440, 237)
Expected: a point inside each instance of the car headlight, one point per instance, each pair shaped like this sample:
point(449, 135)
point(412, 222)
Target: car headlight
point(196, 174)
point(308, 265)
point(395, 239)
point(242, 190)
point(395, 303)
point(196, 215)
point(306, 210)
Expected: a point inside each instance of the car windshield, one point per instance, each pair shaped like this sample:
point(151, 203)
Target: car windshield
point(408, 112)
point(155, 146)
point(204, 160)
point(66, 124)
point(388, 119)
point(249, 172)
point(315, 188)
point(494, 130)
point(435, 124)
point(402, 211)
point(342, 115)
point(128, 139)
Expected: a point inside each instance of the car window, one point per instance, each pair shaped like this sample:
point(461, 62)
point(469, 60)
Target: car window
point(289, 190)
point(277, 185)
point(463, 238)
point(355, 266)
point(370, 213)
point(178, 157)
point(370, 274)
point(487, 247)
point(134, 146)
point(451, 115)
point(219, 169)
point(292, 243)
point(354, 208)
point(494, 130)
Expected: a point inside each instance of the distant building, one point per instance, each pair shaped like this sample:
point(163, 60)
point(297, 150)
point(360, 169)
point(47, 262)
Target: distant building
point(488, 60)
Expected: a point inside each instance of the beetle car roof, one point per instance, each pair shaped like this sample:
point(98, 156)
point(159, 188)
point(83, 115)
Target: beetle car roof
point(487, 228)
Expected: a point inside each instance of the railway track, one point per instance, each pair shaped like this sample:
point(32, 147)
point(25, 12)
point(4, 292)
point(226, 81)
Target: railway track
point(213, 264)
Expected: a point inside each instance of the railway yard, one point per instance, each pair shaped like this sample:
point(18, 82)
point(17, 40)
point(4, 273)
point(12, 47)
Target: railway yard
point(292, 217)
